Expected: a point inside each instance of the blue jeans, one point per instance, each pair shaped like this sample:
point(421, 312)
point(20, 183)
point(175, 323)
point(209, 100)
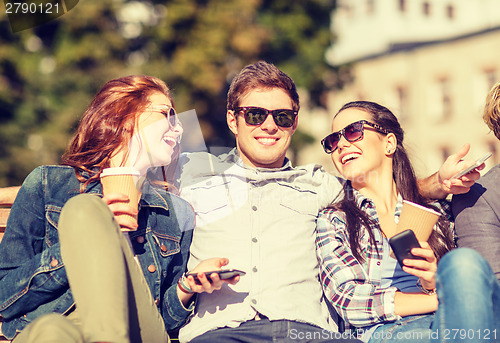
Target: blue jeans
point(469, 305)
point(276, 331)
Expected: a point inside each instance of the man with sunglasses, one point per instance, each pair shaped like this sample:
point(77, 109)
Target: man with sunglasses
point(259, 211)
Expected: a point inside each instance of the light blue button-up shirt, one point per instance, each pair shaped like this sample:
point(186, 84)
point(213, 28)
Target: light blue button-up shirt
point(264, 221)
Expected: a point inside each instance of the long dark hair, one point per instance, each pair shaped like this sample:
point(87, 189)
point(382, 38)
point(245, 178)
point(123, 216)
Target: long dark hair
point(108, 124)
point(441, 240)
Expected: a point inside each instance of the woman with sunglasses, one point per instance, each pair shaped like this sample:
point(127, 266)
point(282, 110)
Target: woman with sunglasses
point(375, 297)
point(71, 269)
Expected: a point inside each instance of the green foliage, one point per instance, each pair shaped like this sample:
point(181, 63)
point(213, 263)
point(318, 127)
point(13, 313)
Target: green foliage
point(50, 74)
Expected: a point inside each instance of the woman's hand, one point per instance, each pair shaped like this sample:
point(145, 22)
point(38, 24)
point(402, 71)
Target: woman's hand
point(118, 204)
point(188, 286)
point(204, 284)
point(423, 269)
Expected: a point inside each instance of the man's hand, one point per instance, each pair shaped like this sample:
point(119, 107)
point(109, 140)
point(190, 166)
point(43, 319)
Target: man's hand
point(453, 165)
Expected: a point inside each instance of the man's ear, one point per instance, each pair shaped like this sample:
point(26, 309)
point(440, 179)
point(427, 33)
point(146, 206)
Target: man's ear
point(295, 124)
point(232, 121)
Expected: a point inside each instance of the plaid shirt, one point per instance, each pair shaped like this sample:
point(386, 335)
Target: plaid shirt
point(353, 287)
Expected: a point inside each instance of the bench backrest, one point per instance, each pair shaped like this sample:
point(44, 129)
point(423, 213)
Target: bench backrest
point(7, 197)
point(6, 201)
point(4, 214)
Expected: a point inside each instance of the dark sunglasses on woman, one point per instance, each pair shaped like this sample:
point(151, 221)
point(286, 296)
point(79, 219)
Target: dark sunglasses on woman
point(169, 113)
point(258, 115)
point(352, 133)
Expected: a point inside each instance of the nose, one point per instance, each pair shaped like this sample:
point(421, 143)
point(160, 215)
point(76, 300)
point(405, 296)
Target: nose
point(269, 124)
point(178, 130)
point(342, 143)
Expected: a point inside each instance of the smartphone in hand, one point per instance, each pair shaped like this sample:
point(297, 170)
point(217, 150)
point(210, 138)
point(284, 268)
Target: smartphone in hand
point(223, 274)
point(401, 245)
point(474, 166)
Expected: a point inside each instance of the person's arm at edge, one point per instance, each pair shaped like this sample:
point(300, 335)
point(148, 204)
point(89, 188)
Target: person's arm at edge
point(442, 183)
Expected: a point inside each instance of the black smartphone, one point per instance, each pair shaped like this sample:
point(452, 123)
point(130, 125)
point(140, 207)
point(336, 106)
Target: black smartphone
point(401, 245)
point(223, 274)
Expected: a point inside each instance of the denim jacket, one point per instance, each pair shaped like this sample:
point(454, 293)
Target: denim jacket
point(33, 280)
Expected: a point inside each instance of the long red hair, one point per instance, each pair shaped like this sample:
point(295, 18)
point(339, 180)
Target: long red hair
point(108, 124)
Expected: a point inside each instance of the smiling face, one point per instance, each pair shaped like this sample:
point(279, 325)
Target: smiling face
point(263, 145)
point(364, 160)
point(156, 134)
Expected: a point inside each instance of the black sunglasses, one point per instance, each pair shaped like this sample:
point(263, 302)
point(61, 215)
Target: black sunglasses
point(258, 115)
point(352, 133)
point(169, 113)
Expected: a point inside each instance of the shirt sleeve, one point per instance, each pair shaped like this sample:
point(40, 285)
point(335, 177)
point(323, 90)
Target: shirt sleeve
point(345, 282)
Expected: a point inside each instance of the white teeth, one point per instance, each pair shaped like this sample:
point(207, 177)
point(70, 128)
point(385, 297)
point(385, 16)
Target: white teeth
point(266, 140)
point(168, 139)
point(349, 157)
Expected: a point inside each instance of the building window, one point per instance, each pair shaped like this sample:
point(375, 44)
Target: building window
point(370, 6)
point(450, 12)
point(445, 153)
point(426, 8)
point(446, 101)
point(441, 104)
point(491, 77)
point(402, 6)
point(402, 94)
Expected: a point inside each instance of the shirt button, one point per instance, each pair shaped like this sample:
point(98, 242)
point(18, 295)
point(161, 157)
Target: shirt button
point(254, 301)
point(54, 262)
point(378, 263)
point(254, 269)
point(140, 239)
point(163, 248)
point(254, 240)
point(254, 208)
point(152, 268)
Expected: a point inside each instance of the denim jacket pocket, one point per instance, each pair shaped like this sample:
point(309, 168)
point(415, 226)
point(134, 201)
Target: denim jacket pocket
point(168, 245)
point(52, 214)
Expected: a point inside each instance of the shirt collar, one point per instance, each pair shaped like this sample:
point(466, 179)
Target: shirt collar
point(363, 202)
point(234, 156)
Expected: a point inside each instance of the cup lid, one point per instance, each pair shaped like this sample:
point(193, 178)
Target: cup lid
point(120, 171)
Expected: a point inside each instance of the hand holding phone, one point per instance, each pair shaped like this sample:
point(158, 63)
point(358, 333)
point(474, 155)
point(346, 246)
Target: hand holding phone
point(474, 166)
point(223, 274)
point(401, 245)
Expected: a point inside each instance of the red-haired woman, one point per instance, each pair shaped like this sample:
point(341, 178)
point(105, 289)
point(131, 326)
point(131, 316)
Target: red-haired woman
point(70, 264)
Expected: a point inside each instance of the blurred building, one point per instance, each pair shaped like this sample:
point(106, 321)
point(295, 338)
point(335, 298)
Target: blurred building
point(431, 62)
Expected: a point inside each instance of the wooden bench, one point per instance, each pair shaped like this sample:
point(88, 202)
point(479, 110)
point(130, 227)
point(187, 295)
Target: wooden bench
point(7, 196)
point(4, 214)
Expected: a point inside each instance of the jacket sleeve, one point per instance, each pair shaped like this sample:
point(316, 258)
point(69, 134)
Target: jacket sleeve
point(346, 284)
point(477, 223)
point(174, 312)
point(31, 272)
